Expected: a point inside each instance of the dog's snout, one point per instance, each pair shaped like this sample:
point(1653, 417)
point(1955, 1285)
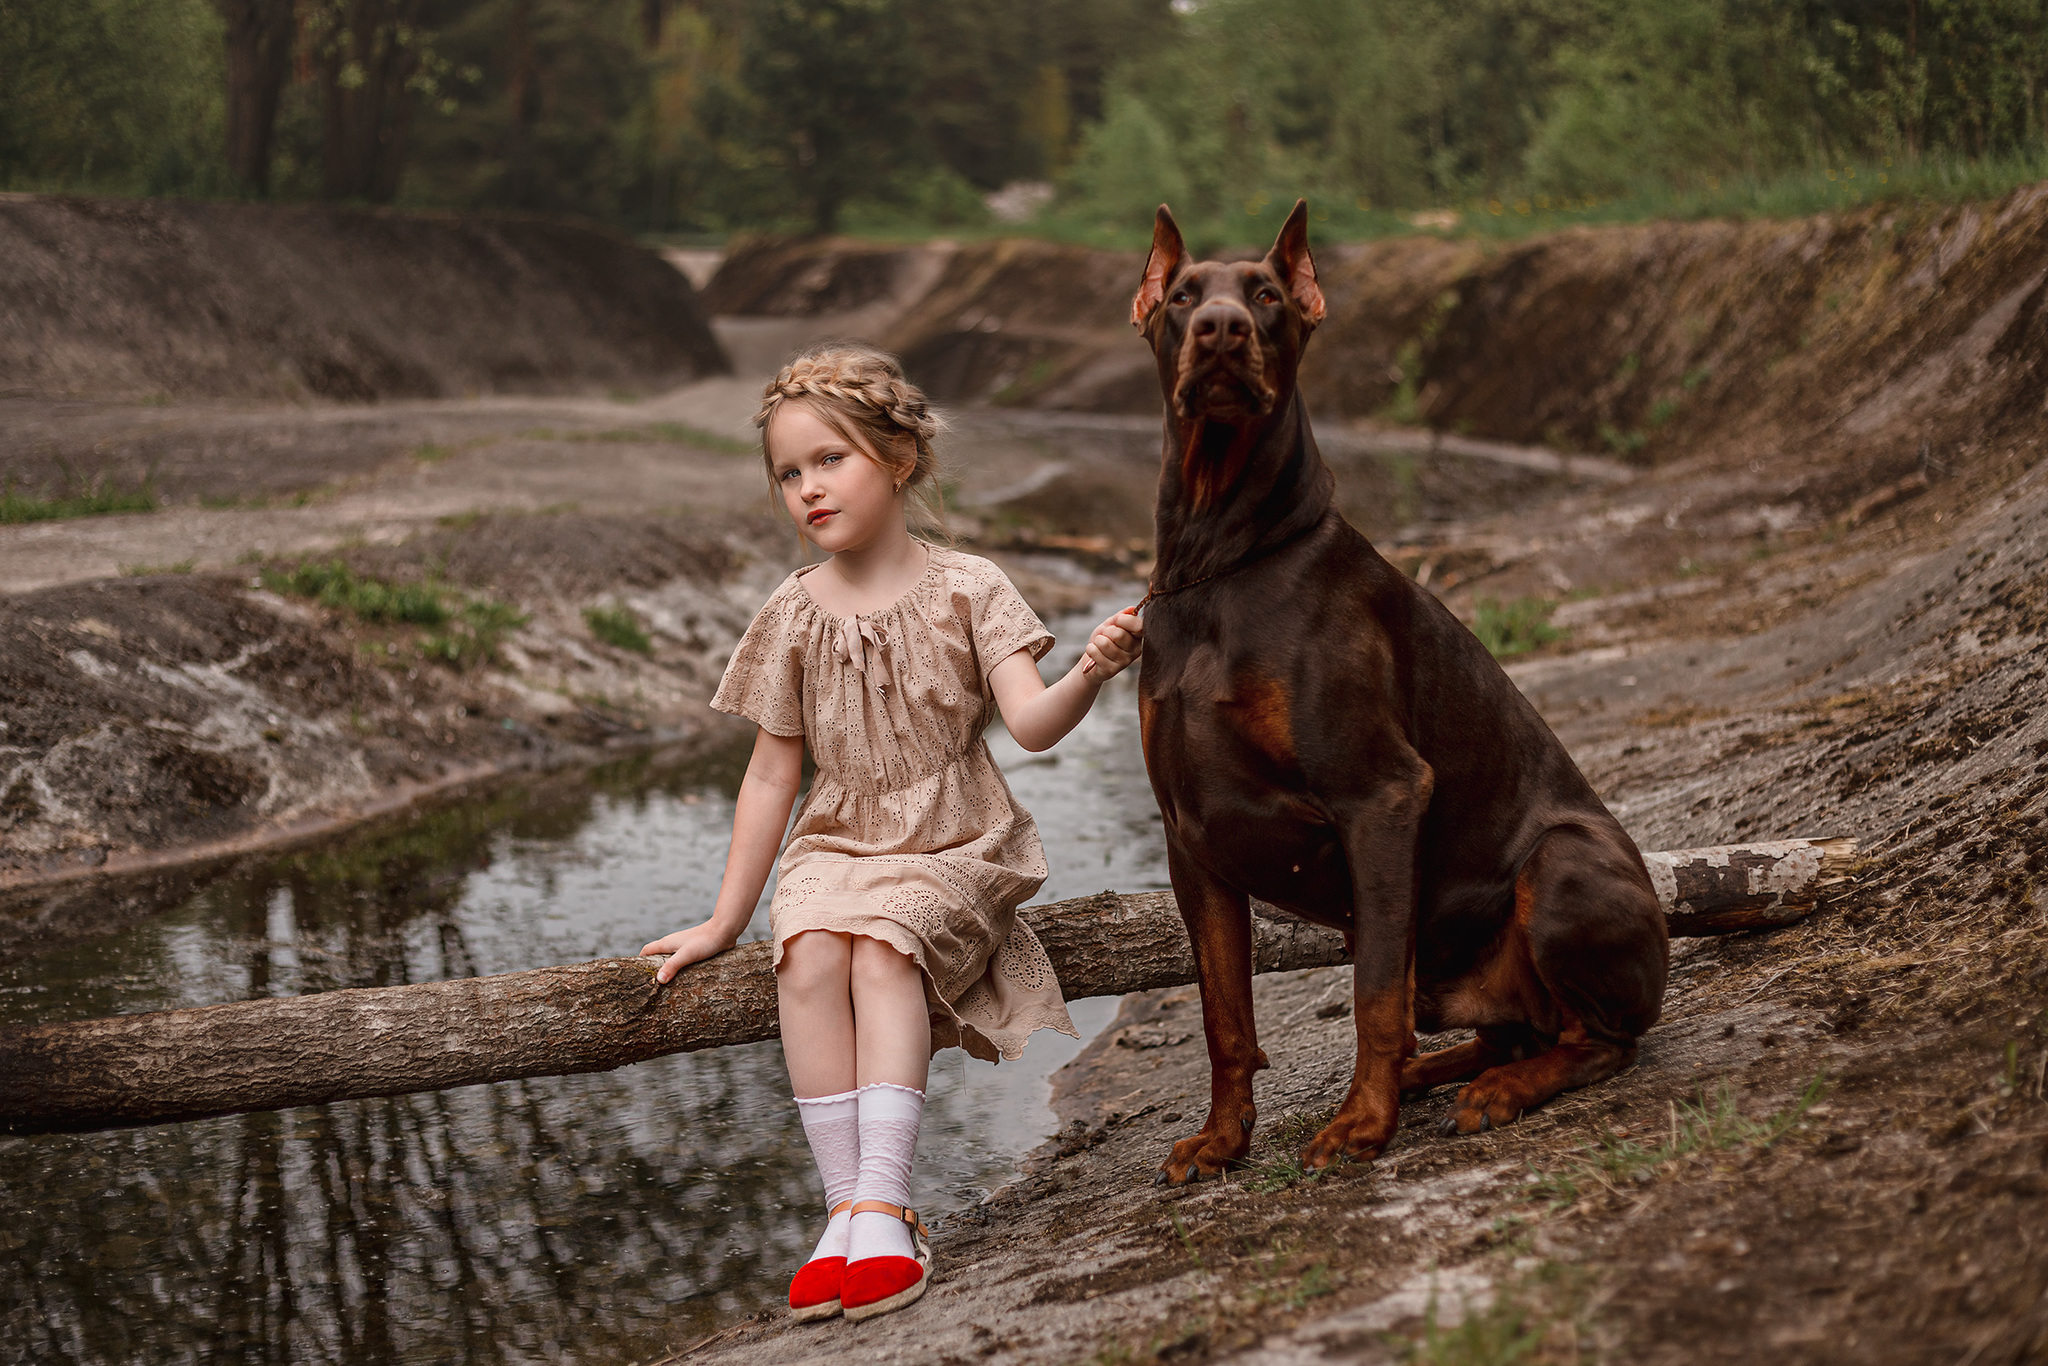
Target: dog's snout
point(1221, 326)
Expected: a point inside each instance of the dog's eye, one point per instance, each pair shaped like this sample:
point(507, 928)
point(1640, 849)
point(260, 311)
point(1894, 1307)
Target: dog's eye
point(1266, 296)
point(1180, 296)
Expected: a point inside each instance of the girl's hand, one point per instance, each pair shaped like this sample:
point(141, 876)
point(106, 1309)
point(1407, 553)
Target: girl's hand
point(685, 947)
point(1114, 646)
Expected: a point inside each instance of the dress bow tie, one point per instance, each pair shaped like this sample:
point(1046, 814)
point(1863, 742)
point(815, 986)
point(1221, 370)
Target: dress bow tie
point(851, 643)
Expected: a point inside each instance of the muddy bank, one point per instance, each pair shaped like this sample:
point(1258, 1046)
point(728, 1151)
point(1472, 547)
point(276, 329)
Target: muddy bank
point(192, 711)
point(162, 299)
point(1655, 342)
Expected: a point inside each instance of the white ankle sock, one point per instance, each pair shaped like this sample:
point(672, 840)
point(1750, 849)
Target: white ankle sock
point(832, 1124)
point(889, 1116)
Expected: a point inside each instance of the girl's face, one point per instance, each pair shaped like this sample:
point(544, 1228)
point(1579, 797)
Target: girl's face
point(838, 495)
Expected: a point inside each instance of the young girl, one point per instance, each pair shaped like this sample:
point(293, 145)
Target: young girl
point(895, 912)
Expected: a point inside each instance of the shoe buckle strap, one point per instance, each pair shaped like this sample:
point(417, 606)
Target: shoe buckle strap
point(906, 1214)
point(838, 1209)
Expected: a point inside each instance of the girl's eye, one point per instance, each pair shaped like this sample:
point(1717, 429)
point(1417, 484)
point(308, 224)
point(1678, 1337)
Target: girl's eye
point(787, 475)
point(1266, 296)
point(831, 460)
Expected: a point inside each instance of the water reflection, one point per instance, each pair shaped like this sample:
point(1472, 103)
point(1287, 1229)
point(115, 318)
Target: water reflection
point(593, 1218)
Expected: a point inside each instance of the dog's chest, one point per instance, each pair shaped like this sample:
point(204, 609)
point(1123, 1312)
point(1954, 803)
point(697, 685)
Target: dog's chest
point(1220, 744)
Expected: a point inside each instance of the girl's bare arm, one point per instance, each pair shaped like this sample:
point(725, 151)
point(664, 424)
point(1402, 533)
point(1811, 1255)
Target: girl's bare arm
point(759, 818)
point(1039, 716)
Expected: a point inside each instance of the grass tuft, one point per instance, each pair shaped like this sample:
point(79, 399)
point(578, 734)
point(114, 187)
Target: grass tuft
point(465, 634)
point(1534, 1317)
point(1516, 627)
point(1710, 1124)
point(474, 634)
point(619, 625)
point(98, 500)
point(334, 584)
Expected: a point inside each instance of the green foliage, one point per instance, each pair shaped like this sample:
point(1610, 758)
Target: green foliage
point(97, 500)
point(1710, 1124)
point(894, 116)
point(619, 625)
point(139, 571)
point(1530, 113)
point(1514, 627)
point(113, 95)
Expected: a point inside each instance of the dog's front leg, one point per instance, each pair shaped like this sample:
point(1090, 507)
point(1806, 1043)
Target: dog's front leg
point(1379, 843)
point(1219, 922)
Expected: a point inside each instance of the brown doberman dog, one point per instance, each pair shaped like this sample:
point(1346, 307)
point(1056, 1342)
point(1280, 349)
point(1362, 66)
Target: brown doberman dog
point(1324, 735)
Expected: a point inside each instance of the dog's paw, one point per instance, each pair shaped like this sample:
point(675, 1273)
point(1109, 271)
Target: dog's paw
point(1348, 1138)
point(1484, 1104)
point(1204, 1155)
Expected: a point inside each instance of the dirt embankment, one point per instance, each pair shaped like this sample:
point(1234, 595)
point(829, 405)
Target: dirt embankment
point(169, 714)
point(164, 300)
point(1655, 342)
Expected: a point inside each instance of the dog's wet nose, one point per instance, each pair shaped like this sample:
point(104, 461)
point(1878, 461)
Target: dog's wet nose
point(1220, 326)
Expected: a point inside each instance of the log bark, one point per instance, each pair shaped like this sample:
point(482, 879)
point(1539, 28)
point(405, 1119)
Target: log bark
point(274, 1053)
point(1746, 886)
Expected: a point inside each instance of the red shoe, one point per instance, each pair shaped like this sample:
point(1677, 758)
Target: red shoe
point(814, 1290)
point(877, 1285)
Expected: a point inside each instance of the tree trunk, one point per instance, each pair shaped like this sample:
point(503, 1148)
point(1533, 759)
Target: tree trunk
point(259, 36)
point(592, 1017)
point(368, 55)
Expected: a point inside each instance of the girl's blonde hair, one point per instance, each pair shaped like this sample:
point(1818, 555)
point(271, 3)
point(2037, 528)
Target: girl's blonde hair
point(860, 392)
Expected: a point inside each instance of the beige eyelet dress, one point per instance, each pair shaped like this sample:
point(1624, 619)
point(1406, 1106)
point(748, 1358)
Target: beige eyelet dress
point(909, 834)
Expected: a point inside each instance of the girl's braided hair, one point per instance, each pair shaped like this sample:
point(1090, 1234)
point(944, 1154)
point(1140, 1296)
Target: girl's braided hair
point(860, 392)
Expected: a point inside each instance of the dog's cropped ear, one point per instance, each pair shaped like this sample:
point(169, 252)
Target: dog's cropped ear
point(1290, 260)
point(1168, 251)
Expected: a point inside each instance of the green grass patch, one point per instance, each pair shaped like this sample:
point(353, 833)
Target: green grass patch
point(1514, 627)
point(1283, 1169)
point(334, 584)
point(1536, 1317)
point(98, 500)
point(1713, 1123)
point(473, 634)
point(620, 626)
point(428, 453)
point(141, 571)
point(465, 631)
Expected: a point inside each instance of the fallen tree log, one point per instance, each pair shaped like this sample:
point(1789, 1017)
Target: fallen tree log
point(351, 1044)
point(1746, 886)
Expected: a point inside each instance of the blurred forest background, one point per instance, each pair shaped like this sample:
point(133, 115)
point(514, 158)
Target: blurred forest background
point(680, 117)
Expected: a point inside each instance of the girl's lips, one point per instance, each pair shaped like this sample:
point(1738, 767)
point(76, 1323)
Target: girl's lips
point(820, 515)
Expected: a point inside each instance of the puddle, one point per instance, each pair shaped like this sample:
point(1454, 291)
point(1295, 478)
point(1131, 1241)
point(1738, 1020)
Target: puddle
point(588, 1218)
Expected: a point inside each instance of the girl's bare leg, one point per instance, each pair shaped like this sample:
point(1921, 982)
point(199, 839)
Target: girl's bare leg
point(814, 998)
point(892, 1031)
point(893, 1041)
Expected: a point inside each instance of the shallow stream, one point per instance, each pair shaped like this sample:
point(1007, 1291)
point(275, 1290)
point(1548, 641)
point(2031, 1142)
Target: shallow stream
point(607, 1218)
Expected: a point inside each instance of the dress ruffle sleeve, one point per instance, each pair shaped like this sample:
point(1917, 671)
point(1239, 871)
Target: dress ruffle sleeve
point(764, 681)
point(1002, 622)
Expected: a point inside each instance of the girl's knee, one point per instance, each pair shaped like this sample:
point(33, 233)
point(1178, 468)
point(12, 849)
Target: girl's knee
point(815, 958)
